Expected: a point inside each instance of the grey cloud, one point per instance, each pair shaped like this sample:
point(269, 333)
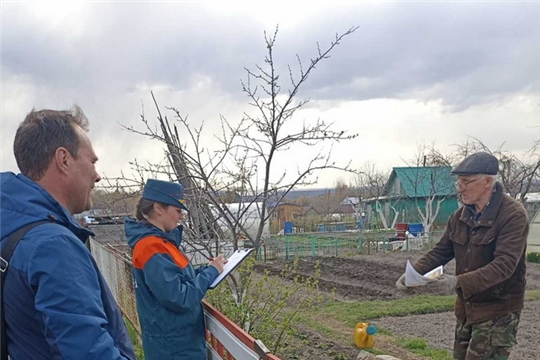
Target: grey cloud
point(126, 44)
point(459, 52)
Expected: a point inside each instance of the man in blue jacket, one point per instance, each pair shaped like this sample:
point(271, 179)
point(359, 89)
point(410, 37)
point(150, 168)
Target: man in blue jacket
point(56, 303)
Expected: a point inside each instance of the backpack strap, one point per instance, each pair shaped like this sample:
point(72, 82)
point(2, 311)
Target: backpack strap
point(6, 252)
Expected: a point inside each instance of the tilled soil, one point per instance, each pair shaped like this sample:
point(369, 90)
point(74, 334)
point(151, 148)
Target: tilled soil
point(373, 277)
point(438, 330)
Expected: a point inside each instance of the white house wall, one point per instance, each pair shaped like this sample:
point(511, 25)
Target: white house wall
point(533, 241)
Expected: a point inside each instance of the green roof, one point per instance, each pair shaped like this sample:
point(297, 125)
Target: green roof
point(421, 181)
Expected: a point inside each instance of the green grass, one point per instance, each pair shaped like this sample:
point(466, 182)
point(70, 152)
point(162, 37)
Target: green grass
point(420, 347)
point(533, 257)
point(335, 319)
point(345, 315)
point(135, 340)
point(532, 295)
point(349, 313)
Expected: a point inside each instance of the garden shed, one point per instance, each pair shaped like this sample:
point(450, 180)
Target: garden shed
point(416, 195)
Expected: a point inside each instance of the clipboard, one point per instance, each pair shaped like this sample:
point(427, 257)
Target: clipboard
point(232, 262)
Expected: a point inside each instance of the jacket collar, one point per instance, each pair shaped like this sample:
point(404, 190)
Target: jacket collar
point(489, 213)
point(59, 214)
point(24, 201)
point(137, 230)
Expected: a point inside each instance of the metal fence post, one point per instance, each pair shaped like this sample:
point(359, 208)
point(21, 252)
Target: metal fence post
point(336, 245)
point(287, 247)
point(406, 242)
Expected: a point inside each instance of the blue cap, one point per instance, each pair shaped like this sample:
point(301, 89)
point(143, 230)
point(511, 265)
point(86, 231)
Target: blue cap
point(164, 192)
point(371, 330)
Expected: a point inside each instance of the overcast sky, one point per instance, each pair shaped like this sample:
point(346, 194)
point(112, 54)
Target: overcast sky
point(413, 72)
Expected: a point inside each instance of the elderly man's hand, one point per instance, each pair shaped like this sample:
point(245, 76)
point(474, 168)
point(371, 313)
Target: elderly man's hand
point(400, 283)
point(444, 284)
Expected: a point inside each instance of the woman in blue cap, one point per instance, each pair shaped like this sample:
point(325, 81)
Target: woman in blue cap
point(168, 289)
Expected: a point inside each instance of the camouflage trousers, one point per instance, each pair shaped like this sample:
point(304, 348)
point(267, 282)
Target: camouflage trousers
point(487, 340)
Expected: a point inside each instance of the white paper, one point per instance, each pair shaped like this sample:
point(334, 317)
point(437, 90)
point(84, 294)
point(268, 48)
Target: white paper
point(236, 258)
point(413, 278)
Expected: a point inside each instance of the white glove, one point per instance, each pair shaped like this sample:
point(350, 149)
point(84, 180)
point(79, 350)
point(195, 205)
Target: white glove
point(444, 284)
point(400, 283)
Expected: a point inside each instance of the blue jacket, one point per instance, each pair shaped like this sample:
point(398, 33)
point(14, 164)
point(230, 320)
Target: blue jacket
point(57, 304)
point(169, 292)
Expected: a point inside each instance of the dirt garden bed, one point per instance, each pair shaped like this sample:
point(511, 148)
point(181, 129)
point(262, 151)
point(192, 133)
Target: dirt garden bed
point(372, 277)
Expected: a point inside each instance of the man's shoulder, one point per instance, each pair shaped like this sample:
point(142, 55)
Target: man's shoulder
point(49, 235)
point(509, 203)
point(48, 229)
point(44, 245)
point(4, 175)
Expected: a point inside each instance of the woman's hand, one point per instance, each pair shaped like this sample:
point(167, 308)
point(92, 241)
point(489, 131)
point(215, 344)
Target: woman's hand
point(218, 262)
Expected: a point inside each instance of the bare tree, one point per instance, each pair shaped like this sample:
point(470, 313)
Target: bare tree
point(244, 164)
point(373, 187)
point(517, 173)
point(430, 155)
point(246, 159)
point(431, 183)
point(270, 132)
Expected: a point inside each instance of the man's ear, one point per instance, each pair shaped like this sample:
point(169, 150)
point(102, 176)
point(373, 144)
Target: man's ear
point(62, 159)
point(489, 181)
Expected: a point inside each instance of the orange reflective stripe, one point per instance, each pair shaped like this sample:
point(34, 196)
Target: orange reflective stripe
point(147, 247)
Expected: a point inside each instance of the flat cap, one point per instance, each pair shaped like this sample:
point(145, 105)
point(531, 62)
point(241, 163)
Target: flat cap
point(478, 163)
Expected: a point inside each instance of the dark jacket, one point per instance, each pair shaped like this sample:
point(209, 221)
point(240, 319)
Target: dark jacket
point(490, 257)
point(57, 304)
point(168, 291)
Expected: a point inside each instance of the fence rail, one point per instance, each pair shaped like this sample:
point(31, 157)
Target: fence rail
point(228, 341)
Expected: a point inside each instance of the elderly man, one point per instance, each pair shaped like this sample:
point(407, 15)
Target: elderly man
point(487, 237)
point(56, 304)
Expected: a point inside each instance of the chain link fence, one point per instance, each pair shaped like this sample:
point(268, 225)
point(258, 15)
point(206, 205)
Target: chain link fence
point(342, 244)
point(115, 266)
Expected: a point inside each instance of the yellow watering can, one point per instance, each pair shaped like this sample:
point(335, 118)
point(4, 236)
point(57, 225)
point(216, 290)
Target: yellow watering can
point(363, 335)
